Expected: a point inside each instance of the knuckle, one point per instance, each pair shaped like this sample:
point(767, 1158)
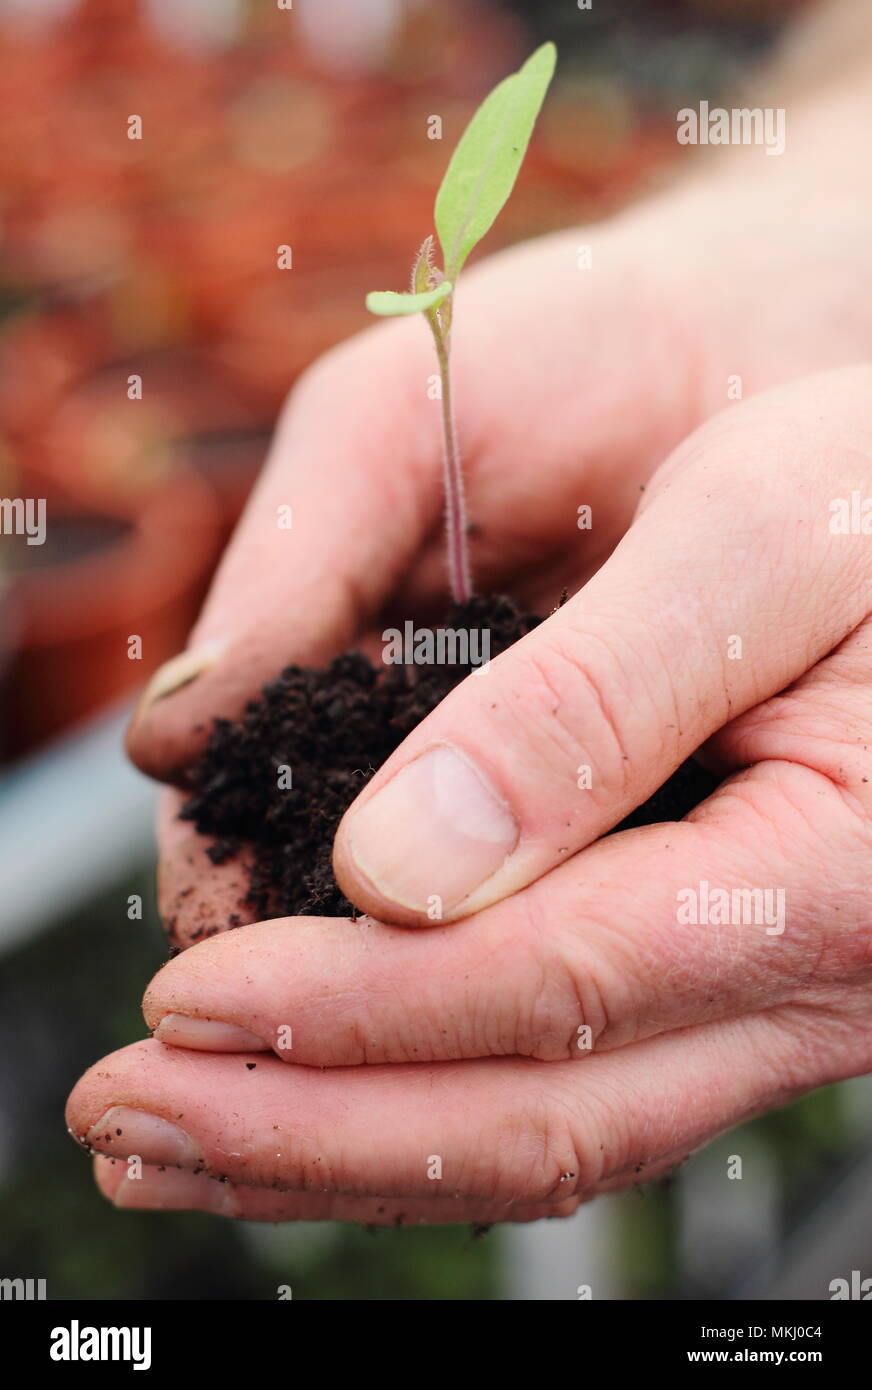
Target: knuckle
point(574, 706)
point(546, 1157)
point(567, 989)
point(576, 1141)
point(547, 1018)
point(612, 961)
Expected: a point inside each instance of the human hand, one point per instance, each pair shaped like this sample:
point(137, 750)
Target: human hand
point(617, 364)
point(580, 1030)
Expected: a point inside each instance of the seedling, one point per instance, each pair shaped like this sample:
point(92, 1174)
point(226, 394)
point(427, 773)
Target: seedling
point(476, 186)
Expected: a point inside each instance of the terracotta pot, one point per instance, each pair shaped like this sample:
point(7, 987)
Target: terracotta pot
point(105, 575)
point(99, 446)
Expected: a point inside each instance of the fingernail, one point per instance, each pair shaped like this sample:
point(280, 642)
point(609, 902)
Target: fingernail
point(124, 1131)
point(207, 1035)
point(180, 670)
point(175, 1190)
point(437, 828)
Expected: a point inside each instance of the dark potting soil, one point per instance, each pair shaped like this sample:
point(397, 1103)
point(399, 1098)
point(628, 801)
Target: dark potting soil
point(333, 729)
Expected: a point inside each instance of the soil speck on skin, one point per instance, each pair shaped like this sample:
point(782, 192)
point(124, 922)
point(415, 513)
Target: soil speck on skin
point(334, 728)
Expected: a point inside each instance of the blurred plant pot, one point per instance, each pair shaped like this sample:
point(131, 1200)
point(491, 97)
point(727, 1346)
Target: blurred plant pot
point(100, 446)
point(273, 334)
point(106, 574)
point(230, 460)
point(41, 356)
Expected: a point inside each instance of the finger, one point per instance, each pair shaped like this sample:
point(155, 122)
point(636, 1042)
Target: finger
point(583, 719)
point(204, 882)
point(629, 939)
point(498, 1130)
point(299, 585)
point(823, 721)
point(179, 1189)
point(196, 896)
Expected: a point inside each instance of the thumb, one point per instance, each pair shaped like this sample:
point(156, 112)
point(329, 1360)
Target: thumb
point(635, 672)
point(311, 560)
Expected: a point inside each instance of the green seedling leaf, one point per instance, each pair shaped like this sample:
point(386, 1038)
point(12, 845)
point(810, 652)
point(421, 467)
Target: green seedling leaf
point(485, 165)
point(387, 303)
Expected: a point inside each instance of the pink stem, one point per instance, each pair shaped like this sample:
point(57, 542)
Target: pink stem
point(455, 508)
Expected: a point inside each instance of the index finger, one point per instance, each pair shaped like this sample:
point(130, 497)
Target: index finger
point(309, 563)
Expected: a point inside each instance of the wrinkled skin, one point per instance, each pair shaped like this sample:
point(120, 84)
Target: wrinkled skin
point(712, 520)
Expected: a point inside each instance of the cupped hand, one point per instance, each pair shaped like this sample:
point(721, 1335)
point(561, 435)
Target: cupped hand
point(603, 1006)
point(572, 385)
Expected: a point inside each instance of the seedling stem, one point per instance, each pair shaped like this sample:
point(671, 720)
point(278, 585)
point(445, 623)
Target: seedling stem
point(476, 186)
